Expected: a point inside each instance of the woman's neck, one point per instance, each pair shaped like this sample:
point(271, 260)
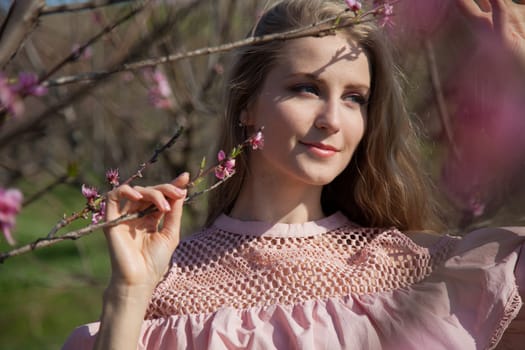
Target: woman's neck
point(269, 199)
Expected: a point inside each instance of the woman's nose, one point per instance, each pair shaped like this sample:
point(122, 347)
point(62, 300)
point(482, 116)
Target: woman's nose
point(328, 116)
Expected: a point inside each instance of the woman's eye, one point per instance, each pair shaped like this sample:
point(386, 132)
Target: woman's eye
point(355, 98)
point(306, 89)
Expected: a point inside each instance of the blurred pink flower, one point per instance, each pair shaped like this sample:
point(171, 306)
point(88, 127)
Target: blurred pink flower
point(353, 5)
point(386, 14)
point(256, 141)
point(100, 214)
point(159, 94)
point(10, 205)
point(85, 54)
point(9, 99)
point(112, 176)
point(11, 94)
point(90, 193)
point(226, 166)
point(27, 84)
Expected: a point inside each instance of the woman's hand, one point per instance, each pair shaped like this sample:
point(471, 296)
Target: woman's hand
point(140, 249)
point(505, 17)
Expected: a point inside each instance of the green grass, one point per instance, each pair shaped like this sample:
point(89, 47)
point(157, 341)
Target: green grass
point(44, 295)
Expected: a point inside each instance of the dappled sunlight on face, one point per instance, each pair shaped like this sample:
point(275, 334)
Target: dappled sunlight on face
point(313, 108)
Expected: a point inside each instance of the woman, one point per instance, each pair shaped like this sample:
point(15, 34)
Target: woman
point(290, 258)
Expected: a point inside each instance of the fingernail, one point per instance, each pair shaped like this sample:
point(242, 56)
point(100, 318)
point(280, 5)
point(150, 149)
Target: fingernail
point(181, 191)
point(167, 206)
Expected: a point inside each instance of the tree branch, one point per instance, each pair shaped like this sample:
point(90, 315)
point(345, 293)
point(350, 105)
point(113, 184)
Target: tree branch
point(90, 5)
point(22, 19)
point(29, 123)
point(320, 28)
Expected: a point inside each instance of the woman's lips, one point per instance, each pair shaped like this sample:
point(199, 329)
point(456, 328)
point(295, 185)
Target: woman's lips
point(320, 149)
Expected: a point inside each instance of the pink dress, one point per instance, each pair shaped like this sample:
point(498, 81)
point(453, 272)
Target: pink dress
point(330, 284)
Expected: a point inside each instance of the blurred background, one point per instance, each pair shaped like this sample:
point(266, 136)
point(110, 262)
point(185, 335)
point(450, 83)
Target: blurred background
point(464, 89)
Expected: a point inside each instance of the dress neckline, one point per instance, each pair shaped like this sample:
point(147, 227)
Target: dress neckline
point(268, 229)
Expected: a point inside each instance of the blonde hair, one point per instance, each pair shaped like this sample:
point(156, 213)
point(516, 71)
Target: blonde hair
point(382, 185)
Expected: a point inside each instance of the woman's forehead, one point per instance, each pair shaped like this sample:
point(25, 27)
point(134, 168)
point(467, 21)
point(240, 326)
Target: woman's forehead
point(335, 53)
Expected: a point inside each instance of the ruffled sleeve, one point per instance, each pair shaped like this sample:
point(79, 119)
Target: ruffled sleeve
point(82, 338)
point(483, 278)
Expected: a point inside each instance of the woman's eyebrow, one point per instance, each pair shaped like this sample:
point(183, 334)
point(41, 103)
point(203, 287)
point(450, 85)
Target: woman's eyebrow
point(354, 85)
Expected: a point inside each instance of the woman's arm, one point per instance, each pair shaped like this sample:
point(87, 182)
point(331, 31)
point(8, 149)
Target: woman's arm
point(140, 251)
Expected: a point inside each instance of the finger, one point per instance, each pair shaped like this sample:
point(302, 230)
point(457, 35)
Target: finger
point(114, 197)
point(500, 14)
point(484, 5)
point(472, 8)
point(171, 191)
point(171, 227)
point(182, 180)
point(497, 11)
point(155, 197)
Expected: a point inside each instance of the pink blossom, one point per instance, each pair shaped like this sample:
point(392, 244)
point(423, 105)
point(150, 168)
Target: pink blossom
point(9, 99)
point(159, 94)
point(90, 193)
point(100, 214)
point(27, 84)
point(226, 166)
point(112, 176)
point(85, 54)
point(257, 141)
point(353, 5)
point(10, 205)
point(386, 16)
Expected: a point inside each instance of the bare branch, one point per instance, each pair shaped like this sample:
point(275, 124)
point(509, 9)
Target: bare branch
point(36, 121)
point(321, 28)
point(72, 235)
point(155, 156)
point(90, 5)
point(22, 19)
point(73, 55)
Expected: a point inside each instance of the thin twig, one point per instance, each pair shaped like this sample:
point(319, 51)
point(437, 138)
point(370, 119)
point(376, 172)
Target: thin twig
point(22, 20)
point(193, 195)
point(72, 235)
point(73, 7)
point(155, 156)
point(88, 209)
point(34, 122)
point(317, 29)
point(62, 179)
point(74, 55)
point(76, 234)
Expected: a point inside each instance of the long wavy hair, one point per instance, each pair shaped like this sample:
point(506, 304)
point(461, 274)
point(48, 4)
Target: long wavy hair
point(382, 185)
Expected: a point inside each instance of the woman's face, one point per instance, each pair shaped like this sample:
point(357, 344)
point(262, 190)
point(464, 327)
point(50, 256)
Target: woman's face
point(313, 108)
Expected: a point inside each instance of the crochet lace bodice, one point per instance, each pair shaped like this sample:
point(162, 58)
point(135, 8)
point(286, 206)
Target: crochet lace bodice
point(286, 264)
